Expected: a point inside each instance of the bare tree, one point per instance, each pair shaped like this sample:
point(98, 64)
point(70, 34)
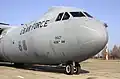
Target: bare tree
point(115, 52)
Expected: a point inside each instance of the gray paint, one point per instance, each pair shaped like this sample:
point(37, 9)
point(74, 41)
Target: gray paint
point(84, 37)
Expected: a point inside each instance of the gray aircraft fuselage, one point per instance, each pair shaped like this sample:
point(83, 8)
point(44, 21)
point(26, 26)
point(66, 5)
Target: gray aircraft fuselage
point(47, 41)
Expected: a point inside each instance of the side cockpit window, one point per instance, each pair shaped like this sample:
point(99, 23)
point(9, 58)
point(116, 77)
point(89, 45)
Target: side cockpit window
point(63, 16)
point(77, 14)
point(66, 16)
point(88, 14)
point(59, 17)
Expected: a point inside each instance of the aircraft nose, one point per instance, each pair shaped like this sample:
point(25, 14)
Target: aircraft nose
point(99, 37)
point(102, 35)
point(94, 38)
point(97, 31)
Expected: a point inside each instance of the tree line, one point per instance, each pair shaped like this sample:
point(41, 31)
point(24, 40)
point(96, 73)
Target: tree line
point(114, 53)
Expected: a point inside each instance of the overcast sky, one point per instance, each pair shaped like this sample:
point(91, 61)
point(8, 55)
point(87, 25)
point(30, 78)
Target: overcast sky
point(16, 12)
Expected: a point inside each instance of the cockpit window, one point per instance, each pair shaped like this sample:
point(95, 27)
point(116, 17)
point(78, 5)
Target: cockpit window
point(88, 14)
point(66, 16)
point(77, 14)
point(59, 17)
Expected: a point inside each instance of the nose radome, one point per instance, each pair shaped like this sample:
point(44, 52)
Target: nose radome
point(96, 39)
point(100, 36)
point(102, 30)
point(92, 38)
point(99, 30)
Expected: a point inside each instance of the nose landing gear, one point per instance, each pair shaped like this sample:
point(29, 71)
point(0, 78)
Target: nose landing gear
point(73, 68)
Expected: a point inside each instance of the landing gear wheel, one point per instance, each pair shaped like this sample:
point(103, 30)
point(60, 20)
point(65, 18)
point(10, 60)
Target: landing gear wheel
point(77, 69)
point(69, 69)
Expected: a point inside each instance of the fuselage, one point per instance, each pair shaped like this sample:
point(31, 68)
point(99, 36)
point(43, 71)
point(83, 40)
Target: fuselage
point(51, 41)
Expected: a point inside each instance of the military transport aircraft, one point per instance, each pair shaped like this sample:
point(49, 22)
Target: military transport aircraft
point(63, 35)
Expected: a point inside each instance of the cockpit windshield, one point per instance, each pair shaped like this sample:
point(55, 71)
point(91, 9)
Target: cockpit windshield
point(80, 14)
point(77, 14)
point(88, 14)
point(66, 15)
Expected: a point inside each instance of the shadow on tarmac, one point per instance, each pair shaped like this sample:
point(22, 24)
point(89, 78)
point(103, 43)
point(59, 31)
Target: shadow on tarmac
point(43, 68)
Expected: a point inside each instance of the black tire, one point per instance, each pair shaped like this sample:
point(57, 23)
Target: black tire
point(69, 69)
point(78, 69)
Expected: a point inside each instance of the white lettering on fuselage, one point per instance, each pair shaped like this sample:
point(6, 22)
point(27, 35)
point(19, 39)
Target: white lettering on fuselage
point(34, 26)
